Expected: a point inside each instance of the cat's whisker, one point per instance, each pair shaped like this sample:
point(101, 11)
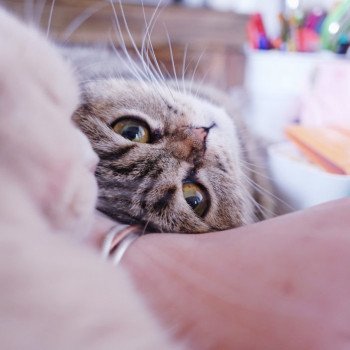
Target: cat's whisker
point(133, 69)
point(187, 83)
point(148, 54)
point(149, 72)
point(201, 82)
point(163, 82)
point(161, 79)
point(169, 77)
point(50, 18)
point(183, 69)
point(266, 212)
point(252, 167)
point(259, 170)
point(245, 165)
point(195, 68)
point(172, 59)
point(132, 41)
point(79, 20)
point(142, 75)
point(145, 227)
point(154, 65)
point(245, 154)
point(263, 190)
point(147, 42)
point(260, 173)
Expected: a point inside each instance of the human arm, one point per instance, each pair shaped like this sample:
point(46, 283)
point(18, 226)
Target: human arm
point(280, 284)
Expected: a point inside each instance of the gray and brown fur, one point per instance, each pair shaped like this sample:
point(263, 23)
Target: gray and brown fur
point(142, 183)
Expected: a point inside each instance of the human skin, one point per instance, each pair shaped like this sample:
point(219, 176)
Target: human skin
point(280, 284)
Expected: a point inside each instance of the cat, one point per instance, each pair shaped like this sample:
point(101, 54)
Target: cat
point(174, 156)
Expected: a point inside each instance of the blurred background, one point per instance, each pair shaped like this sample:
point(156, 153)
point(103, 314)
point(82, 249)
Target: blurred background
point(217, 38)
point(286, 62)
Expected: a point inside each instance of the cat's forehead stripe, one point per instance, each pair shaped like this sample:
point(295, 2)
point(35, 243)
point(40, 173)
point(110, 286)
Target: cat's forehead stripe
point(166, 200)
point(138, 170)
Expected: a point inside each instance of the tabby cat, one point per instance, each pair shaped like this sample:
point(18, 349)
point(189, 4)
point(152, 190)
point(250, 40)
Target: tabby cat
point(174, 157)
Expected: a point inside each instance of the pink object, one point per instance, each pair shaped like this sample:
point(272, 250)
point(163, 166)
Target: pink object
point(327, 102)
point(307, 40)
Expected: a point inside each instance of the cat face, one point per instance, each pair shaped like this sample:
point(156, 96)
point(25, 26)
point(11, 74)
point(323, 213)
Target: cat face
point(168, 160)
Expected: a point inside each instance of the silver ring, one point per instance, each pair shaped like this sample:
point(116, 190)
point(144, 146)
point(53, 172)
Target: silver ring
point(118, 240)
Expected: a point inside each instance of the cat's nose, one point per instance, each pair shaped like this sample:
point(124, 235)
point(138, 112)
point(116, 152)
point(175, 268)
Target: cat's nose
point(200, 134)
point(188, 142)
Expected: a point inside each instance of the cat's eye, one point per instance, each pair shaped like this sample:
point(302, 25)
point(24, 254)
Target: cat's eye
point(132, 129)
point(196, 197)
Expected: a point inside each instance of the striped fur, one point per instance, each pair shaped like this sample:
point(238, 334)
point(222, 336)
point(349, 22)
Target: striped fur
point(142, 183)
